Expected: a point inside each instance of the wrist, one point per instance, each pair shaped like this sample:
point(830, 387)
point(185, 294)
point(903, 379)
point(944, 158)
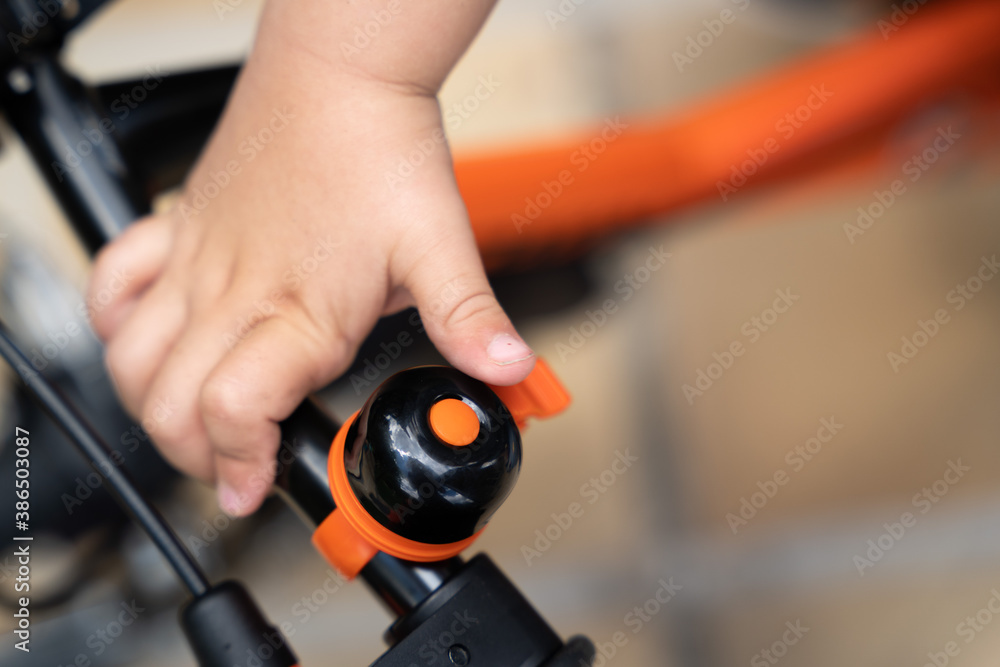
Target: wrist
point(410, 45)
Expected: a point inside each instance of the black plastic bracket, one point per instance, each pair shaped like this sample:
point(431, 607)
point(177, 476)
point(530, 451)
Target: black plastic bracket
point(479, 619)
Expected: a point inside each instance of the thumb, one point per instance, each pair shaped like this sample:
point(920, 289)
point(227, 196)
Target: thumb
point(462, 316)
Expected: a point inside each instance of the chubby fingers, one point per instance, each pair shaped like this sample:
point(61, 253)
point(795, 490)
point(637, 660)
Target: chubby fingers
point(124, 269)
point(245, 397)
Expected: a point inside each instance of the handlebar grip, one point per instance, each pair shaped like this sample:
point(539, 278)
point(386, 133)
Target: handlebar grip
point(225, 627)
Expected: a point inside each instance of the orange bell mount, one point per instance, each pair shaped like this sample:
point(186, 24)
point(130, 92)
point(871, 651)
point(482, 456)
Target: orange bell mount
point(420, 469)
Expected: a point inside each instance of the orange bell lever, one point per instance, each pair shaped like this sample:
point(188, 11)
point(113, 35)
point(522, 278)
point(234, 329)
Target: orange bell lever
point(422, 467)
point(539, 395)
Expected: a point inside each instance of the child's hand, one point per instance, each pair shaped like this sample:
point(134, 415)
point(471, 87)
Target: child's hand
point(289, 243)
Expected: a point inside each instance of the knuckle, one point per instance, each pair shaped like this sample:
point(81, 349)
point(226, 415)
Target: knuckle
point(223, 400)
point(468, 309)
point(335, 348)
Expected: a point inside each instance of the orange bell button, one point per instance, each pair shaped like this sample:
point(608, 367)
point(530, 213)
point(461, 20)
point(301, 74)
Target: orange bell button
point(454, 421)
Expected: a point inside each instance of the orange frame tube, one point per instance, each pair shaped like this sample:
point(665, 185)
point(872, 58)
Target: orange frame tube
point(550, 199)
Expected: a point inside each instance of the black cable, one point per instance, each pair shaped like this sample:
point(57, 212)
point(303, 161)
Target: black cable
point(98, 454)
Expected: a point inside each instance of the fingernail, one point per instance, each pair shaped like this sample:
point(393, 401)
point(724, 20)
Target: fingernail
point(506, 349)
point(229, 500)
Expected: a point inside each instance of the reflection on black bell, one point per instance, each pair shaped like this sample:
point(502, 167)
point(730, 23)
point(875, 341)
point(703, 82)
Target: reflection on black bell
point(433, 454)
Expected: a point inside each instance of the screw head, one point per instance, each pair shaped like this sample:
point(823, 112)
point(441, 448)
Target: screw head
point(459, 655)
